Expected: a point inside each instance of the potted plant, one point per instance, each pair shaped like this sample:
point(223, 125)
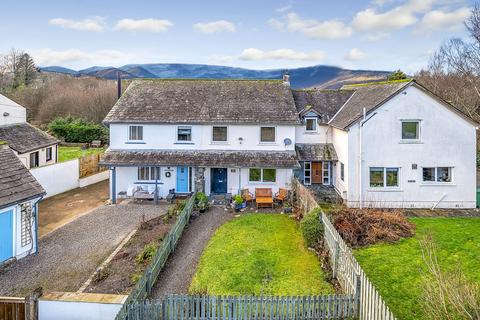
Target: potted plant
point(238, 202)
point(287, 208)
point(201, 202)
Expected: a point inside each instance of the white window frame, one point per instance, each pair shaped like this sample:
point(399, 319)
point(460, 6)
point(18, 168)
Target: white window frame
point(133, 134)
point(384, 187)
point(309, 170)
point(267, 142)
point(435, 181)
point(220, 141)
point(326, 173)
point(261, 175)
point(315, 121)
point(150, 169)
point(184, 127)
point(47, 150)
point(342, 171)
point(419, 131)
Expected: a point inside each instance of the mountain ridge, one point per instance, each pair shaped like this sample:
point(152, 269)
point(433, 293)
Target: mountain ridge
point(318, 76)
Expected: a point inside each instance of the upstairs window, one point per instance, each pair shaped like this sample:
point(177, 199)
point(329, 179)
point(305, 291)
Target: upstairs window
point(410, 130)
point(440, 174)
point(135, 133)
point(311, 124)
point(219, 134)
point(384, 177)
point(267, 134)
point(184, 133)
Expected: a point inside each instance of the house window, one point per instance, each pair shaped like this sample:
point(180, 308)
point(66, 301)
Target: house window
point(410, 130)
point(135, 133)
point(267, 134)
point(384, 177)
point(307, 173)
point(48, 156)
point(219, 134)
point(34, 159)
point(440, 174)
point(311, 124)
point(148, 173)
point(262, 175)
point(26, 223)
point(184, 133)
point(342, 171)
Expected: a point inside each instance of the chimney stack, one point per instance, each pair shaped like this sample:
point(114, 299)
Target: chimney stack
point(119, 85)
point(286, 78)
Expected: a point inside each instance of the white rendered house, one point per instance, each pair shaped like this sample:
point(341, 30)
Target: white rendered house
point(380, 144)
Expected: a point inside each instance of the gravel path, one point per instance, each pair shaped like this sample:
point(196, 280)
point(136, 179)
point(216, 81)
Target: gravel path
point(180, 267)
point(70, 254)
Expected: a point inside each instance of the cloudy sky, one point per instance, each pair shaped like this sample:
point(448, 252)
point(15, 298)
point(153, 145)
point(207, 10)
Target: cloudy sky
point(371, 34)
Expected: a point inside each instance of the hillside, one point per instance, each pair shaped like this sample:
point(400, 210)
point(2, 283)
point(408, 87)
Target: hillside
point(320, 76)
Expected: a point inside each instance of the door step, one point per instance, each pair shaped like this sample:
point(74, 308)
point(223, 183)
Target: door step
point(221, 199)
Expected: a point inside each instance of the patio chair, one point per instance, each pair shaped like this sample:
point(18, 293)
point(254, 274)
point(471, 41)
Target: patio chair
point(281, 195)
point(263, 197)
point(247, 195)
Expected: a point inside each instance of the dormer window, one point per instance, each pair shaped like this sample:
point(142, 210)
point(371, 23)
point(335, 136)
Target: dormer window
point(311, 124)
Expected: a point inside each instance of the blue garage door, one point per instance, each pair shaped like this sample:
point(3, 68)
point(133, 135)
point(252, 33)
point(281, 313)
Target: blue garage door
point(6, 235)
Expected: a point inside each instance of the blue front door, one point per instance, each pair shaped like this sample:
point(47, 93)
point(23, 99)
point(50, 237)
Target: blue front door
point(6, 235)
point(219, 180)
point(182, 179)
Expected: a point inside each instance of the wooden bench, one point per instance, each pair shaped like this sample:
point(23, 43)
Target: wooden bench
point(263, 197)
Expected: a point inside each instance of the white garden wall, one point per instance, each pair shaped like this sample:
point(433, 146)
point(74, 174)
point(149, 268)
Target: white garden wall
point(64, 176)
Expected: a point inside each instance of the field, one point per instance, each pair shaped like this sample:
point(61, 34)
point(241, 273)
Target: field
point(259, 254)
point(70, 153)
point(398, 270)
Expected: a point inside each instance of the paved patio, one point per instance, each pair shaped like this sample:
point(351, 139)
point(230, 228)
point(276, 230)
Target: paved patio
point(70, 254)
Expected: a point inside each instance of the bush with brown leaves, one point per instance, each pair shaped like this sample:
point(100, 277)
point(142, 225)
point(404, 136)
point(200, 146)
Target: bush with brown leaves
point(361, 227)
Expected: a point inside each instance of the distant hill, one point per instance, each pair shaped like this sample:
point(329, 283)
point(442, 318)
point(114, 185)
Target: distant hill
point(320, 76)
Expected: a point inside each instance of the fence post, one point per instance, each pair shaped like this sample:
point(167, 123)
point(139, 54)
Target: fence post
point(31, 305)
point(336, 258)
point(358, 288)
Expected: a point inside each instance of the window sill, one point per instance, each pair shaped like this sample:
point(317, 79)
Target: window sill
point(438, 184)
point(311, 132)
point(410, 142)
point(220, 143)
point(268, 144)
point(384, 190)
point(262, 183)
point(188, 143)
point(135, 142)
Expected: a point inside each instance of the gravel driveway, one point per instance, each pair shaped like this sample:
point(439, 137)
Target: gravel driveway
point(180, 267)
point(70, 254)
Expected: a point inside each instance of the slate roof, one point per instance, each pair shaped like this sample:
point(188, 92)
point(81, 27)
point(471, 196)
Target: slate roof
point(325, 103)
point(316, 152)
point(23, 137)
point(16, 182)
point(273, 159)
point(205, 101)
point(367, 96)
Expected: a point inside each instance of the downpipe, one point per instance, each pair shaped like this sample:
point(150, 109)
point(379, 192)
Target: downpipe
point(438, 202)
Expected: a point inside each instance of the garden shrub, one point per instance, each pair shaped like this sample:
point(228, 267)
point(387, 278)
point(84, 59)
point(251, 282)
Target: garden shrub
point(147, 253)
point(312, 228)
point(77, 130)
point(361, 227)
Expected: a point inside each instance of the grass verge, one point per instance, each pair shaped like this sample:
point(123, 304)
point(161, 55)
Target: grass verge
point(70, 153)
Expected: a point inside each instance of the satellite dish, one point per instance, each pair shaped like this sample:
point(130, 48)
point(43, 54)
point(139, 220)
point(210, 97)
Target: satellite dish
point(287, 141)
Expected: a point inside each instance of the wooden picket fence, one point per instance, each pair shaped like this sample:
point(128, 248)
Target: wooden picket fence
point(17, 308)
point(351, 276)
point(144, 286)
point(179, 307)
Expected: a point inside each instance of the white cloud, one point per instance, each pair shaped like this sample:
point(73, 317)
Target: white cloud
point(214, 26)
point(355, 55)
point(280, 54)
point(440, 20)
point(311, 28)
point(144, 25)
point(96, 24)
point(45, 57)
point(393, 19)
point(284, 8)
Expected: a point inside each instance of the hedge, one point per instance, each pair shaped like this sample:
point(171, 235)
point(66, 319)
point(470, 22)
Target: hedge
point(312, 228)
point(77, 130)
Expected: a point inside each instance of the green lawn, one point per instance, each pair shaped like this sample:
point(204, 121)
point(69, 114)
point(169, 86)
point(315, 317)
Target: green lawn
point(398, 271)
point(259, 254)
point(70, 153)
